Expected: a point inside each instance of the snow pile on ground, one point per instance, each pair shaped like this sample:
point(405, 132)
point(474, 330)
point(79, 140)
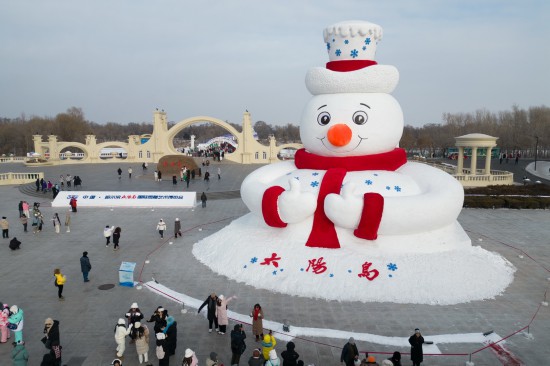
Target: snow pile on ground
point(421, 269)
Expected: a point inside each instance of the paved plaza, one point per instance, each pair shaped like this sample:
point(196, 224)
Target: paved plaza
point(88, 315)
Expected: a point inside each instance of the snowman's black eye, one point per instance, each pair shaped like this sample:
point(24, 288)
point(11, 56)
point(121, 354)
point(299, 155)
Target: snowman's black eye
point(323, 118)
point(360, 117)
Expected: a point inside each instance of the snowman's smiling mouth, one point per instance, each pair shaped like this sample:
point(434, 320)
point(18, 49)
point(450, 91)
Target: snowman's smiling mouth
point(341, 151)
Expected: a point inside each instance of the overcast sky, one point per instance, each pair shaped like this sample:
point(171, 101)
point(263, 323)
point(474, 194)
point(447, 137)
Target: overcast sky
point(119, 60)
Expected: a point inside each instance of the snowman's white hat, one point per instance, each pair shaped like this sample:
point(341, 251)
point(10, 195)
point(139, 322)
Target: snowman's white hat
point(351, 47)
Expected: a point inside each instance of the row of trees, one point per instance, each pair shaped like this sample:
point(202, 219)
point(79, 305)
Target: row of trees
point(517, 130)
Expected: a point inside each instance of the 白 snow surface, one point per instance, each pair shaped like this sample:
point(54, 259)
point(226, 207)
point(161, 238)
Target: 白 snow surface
point(437, 268)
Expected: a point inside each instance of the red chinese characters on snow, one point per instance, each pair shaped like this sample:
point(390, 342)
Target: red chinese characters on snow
point(317, 265)
point(369, 274)
point(271, 260)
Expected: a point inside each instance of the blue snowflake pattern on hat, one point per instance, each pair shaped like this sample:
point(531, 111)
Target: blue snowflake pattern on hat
point(328, 46)
point(354, 53)
point(338, 52)
point(367, 41)
point(346, 41)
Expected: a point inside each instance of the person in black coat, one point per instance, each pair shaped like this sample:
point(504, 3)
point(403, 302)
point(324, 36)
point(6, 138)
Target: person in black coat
point(171, 331)
point(14, 244)
point(134, 314)
point(396, 358)
point(237, 343)
point(290, 357)
point(159, 317)
point(350, 353)
point(211, 314)
point(416, 341)
point(203, 199)
point(51, 339)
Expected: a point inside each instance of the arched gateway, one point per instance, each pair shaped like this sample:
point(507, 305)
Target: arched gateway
point(248, 151)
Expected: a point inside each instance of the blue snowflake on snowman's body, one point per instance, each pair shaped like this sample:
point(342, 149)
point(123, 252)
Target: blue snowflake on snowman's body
point(368, 182)
point(315, 174)
point(392, 267)
point(388, 188)
point(346, 41)
point(314, 184)
point(367, 40)
point(337, 52)
point(253, 260)
point(397, 188)
point(375, 174)
point(354, 53)
point(364, 48)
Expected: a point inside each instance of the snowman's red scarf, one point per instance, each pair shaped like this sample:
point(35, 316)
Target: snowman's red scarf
point(323, 233)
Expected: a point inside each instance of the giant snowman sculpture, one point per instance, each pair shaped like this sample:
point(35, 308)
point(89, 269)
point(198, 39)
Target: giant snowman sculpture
point(350, 218)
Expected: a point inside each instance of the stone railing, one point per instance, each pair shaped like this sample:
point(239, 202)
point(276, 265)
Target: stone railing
point(12, 159)
point(19, 178)
point(497, 177)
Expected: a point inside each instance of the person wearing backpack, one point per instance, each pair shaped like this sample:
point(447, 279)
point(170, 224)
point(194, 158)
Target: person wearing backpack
point(120, 336)
point(59, 282)
point(162, 350)
point(237, 344)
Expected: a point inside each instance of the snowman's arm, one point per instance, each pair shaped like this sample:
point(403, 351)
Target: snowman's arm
point(257, 182)
point(438, 204)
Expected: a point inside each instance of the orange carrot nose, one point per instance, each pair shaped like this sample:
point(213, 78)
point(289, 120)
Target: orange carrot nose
point(339, 135)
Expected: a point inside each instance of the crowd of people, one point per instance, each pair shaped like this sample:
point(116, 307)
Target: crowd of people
point(163, 329)
point(65, 183)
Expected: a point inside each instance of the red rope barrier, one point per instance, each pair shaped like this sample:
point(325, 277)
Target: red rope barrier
point(371, 352)
point(500, 340)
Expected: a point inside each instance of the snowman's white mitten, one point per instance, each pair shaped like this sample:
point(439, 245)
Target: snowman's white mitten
point(294, 205)
point(280, 207)
point(344, 209)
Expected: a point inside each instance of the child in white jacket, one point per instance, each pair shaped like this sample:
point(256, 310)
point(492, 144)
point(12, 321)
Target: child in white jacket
point(107, 232)
point(120, 336)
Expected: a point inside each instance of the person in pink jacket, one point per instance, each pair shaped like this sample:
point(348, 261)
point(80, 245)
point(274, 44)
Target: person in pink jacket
point(189, 358)
point(4, 331)
point(221, 312)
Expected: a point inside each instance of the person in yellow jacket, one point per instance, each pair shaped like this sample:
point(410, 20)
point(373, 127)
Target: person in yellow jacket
point(268, 344)
point(59, 282)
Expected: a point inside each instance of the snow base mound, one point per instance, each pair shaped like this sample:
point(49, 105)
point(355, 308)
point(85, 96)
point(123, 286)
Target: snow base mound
point(437, 268)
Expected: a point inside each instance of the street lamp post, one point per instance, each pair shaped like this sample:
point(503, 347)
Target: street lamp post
point(536, 150)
